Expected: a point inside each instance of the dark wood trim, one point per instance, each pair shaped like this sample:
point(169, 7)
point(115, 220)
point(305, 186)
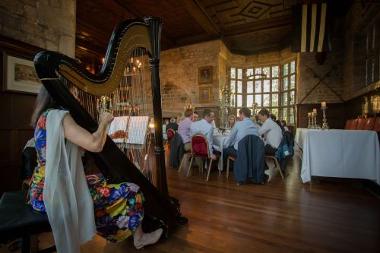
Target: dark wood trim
point(196, 39)
point(9, 46)
point(165, 39)
point(200, 15)
point(284, 21)
point(18, 48)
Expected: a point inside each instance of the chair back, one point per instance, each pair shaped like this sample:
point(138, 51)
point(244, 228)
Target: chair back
point(351, 124)
point(361, 124)
point(199, 145)
point(369, 124)
point(170, 133)
point(377, 125)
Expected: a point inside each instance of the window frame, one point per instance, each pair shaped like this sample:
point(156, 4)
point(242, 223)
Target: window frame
point(279, 108)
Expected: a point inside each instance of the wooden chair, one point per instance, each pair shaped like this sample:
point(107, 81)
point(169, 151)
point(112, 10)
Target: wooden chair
point(229, 158)
point(200, 148)
point(276, 164)
point(183, 158)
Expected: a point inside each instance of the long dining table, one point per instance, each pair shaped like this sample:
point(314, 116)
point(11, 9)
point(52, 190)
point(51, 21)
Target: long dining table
point(339, 153)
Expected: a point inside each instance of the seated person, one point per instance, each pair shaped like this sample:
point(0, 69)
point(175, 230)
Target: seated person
point(164, 134)
point(195, 116)
point(271, 132)
point(284, 126)
point(118, 207)
point(184, 129)
point(204, 126)
point(239, 131)
point(173, 124)
point(231, 121)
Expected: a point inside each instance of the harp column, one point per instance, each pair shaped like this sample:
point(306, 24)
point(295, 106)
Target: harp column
point(155, 35)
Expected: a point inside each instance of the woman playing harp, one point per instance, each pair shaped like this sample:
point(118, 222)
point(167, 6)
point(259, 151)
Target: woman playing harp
point(59, 186)
point(71, 192)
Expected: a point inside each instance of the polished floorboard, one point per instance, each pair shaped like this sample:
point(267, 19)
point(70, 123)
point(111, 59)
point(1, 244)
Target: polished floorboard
point(288, 216)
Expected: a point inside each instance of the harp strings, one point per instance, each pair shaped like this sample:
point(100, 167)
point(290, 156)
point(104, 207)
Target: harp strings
point(129, 99)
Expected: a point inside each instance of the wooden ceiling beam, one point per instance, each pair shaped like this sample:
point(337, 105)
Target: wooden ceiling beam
point(259, 25)
point(166, 39)
point(196, 39)
point(201, 16)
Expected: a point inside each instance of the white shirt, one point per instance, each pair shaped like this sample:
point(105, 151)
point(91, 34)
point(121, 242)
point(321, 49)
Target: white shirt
point(272, 133)
point(240, 130)
point(205, 128)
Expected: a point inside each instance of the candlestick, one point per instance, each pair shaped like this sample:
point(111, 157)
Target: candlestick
point(324, 120)
point(314, 118)
point(309, 119)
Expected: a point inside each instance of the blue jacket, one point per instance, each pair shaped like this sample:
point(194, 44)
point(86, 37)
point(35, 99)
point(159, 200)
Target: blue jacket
point(249, 164)
point(176, 150)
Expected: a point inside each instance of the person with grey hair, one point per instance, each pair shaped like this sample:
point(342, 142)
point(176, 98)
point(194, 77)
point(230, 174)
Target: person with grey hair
point(172, 125)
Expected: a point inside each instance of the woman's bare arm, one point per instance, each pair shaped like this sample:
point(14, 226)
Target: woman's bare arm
point(92, 142)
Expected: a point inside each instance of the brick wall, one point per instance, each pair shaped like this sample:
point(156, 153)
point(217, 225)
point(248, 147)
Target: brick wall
point(179, 76)
point(43, 23)
point(27, 26)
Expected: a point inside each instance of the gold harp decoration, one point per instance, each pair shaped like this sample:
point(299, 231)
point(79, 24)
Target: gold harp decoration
point(135, 37)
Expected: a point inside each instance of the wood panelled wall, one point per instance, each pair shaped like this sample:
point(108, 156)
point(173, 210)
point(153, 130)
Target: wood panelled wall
point(15, 110)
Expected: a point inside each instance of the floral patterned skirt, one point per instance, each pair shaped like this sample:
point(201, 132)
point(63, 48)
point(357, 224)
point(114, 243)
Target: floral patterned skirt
point(118, 207)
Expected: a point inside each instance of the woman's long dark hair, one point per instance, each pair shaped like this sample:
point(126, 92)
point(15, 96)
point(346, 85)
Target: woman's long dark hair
point(43, 102)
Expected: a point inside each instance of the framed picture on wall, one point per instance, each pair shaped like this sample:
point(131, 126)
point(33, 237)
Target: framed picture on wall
point(205, 94)
point(19, 75)
point(205, 75)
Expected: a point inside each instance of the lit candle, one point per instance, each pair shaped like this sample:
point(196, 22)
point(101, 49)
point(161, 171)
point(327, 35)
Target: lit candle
point(309, 114)
point(315, 110)
point(323, 105)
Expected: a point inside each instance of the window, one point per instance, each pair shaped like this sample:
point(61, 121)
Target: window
point(272, 87)
point(288, 92)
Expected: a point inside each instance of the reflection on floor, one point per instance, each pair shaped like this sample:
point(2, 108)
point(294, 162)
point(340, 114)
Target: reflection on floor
point(278, 217)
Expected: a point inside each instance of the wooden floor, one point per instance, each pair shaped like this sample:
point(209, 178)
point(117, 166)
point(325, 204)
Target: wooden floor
point(277, 217)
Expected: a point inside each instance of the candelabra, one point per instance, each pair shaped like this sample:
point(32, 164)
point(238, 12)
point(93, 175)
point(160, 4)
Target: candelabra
point(324, 119)
point(105, 104)
point(225, 105)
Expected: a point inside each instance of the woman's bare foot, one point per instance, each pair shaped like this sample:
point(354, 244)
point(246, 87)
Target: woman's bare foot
point(147, 238)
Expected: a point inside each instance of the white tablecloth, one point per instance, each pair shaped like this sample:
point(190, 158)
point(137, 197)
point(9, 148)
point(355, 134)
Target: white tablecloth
point(339, 153)
point(219, 144)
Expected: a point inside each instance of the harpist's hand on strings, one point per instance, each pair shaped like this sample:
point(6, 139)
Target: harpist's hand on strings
point(105, 118)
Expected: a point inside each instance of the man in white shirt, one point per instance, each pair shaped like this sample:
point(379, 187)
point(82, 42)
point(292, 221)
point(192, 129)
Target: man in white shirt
point(240, 129)
point(271, 132)
point(205, 127)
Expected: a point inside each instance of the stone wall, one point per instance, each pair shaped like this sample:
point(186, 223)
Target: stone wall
point(179, 76)
point(26, 26)
point(48, 24)
point(179, 72)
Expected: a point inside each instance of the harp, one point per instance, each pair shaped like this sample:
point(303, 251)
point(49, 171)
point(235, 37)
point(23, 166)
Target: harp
point(56, 71)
